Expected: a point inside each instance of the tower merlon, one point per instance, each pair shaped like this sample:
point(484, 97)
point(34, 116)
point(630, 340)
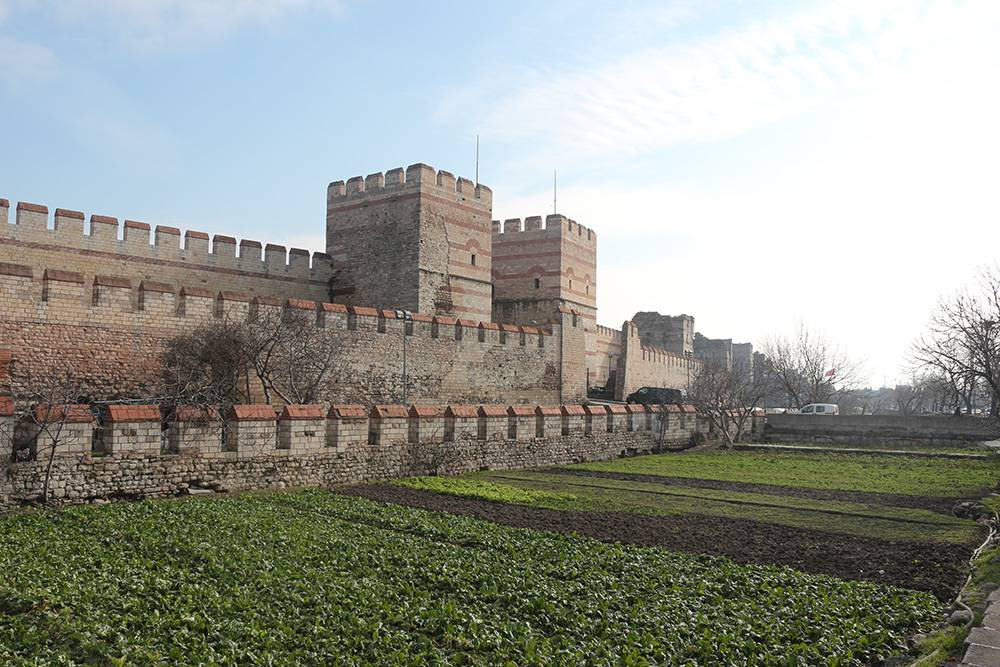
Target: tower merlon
point(415, 176)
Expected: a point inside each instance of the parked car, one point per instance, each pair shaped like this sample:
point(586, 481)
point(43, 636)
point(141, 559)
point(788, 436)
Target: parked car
point(655, 396)
point(820, 409)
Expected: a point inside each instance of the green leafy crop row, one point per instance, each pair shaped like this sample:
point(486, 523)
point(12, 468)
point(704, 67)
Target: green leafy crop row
point(316, 578)
point(474, 488)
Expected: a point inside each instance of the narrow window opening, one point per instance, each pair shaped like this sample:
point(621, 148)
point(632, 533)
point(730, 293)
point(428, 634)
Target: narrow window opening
point(473, 260)
point(538, 283)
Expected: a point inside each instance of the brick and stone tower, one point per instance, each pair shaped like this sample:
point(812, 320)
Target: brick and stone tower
point(415, 239)
point(539, 267)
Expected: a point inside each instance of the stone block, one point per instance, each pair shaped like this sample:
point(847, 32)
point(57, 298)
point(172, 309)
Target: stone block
point(521, 422)
point(574, 420)
point(133, 428)
point(302, 429)
point(493, 422)
point(388, 425)
point(251, 430)
point(596, 419)
point(461, 422)
point(347, 426)
point(194, 429)
point(548, 422)
point(426, 424)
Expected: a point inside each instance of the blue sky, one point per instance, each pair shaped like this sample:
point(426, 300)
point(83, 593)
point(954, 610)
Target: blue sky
point(755, 164)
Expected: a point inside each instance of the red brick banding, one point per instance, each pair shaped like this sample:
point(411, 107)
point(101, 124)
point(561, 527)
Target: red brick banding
point(32, 208)
point(133, 413)
point(163, 288)
point(68, 414)
point(347, 411)
point(425, 411)
point(54, 275)
point(69, 213)
point(301, 304)
point(383, 411)
point(19, 270)
point(296, 412)
point(462, 411)
point(252, 412)
point(492, 411)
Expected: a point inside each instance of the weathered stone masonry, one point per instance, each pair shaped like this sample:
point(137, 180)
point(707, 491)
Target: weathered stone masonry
point(302, 446)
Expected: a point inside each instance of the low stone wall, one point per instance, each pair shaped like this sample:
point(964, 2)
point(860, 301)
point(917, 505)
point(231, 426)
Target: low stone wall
point(255, 447)
point(83, 478)
point(881, 430)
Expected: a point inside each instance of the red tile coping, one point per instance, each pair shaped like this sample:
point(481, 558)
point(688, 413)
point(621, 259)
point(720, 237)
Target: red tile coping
point(446, 321)
point(133, 413)
point(421, 317)
point(686, 407)
point(163, 229)
point(4, 203)
point(334, 308)
point(387, 314)
point(492, 411)
point(190, 413)
point(301, 304)
point(18, 270)
point(164, 288)
point(112, 281)
point(425, 411)
point(489, 325)
point(521, 411)
point(104, 220)
point(69, 414)
point(510, 328)
point(6, 406)
point(636, 408)
point(461, 411)
point(362, 310)
point(573, 410)
point(252, 412)
point(298, 251)
point(596, 410)
point(220, 238)
point(192, 234)
point(62, 276)
point(617, 409)
point(346, 411)
point(548, 411)
point(672, 407)
point(34, 208)
point(564, 309)
point(247, 243)
point(234, 296)
point(383, 411)
point(655, 408)
point(310, 411)
point(468, 323)
point(531, 330)
point(69, 213)
point(134, 224)
point(272, 247)
point(267, 301)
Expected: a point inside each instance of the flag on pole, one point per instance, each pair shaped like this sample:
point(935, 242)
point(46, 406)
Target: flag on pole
point(830, 373)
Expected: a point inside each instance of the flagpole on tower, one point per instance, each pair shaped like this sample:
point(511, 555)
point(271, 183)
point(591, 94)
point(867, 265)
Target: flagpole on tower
point(477, 158)
point(555, 208)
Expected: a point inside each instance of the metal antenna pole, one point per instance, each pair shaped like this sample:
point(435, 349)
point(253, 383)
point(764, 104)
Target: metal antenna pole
point(555, 208)
point(477, 158)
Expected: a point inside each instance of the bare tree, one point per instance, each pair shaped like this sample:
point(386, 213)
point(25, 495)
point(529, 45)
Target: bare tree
point(273, 355)
point(963, 341)
point(46, 407)
point(729, 397)
point(809, 368)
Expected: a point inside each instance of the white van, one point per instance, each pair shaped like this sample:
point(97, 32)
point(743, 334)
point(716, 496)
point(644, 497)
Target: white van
point(820, 409)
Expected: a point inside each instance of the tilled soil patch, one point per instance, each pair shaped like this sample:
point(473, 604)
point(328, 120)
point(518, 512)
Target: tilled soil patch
point(932, 503)
point(936, 568)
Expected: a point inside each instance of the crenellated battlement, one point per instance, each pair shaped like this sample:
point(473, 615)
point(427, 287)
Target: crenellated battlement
point(609, 333)
point(417, 176)
point(138, 241)
point(535, 227)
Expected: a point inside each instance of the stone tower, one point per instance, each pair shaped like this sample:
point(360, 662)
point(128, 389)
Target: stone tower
point(417, 239)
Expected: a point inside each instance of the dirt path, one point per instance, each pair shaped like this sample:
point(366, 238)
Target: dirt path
point(936, 568)
point(932, 503)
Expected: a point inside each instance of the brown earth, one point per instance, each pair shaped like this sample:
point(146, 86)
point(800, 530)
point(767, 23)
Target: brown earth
point(932, 503)
point(936, 568)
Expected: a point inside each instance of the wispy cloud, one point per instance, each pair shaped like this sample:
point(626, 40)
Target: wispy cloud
point(717, 86)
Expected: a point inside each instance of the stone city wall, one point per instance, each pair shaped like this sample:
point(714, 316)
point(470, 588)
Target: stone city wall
point(256, 447)
point(111, 332)
point(881, 430)
point(136, 252)
point(643, 366)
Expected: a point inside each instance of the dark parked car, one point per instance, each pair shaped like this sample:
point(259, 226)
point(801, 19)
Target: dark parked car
point(655, 396)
